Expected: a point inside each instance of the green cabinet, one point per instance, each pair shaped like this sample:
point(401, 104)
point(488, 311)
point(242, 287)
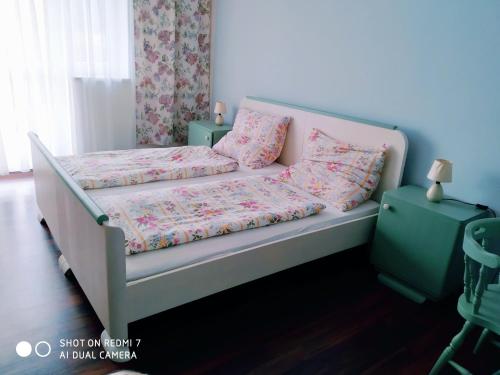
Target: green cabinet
point(206, 133)
point(417, 247)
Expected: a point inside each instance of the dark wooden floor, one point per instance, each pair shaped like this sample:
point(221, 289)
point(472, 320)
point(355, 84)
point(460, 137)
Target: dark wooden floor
point(326, 317)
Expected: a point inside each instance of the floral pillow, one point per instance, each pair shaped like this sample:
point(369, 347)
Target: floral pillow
point(256, 139)
point(343, 174)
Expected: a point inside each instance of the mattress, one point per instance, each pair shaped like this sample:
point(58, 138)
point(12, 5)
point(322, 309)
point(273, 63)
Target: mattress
point(154, 262)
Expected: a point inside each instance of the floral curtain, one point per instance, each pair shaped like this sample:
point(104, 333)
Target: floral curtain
point(172, 61)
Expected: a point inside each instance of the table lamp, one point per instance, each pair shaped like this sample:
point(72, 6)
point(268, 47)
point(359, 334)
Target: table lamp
point(441, 171)
point(220, 108)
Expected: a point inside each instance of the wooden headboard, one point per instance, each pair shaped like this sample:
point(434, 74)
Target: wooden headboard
point(341, 127)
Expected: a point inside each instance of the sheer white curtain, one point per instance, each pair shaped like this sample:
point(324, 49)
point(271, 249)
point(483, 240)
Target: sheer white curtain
point(66, 74)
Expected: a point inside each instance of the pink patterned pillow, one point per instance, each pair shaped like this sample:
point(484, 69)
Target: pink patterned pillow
point(256, 139)
point(343, 174)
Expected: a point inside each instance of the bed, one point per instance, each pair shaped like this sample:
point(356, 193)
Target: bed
point(123, 289)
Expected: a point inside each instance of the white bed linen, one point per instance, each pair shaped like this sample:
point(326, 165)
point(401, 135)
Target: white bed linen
point(150, 263)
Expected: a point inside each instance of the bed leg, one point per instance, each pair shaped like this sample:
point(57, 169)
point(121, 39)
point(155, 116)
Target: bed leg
point(115, 352)
point(63, 265)
point(40, 218)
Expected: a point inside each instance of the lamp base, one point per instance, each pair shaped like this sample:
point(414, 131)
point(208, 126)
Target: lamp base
point(219, 119)
point(435, 192)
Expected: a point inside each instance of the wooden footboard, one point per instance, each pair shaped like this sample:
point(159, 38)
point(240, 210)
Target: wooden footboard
point(93, 249)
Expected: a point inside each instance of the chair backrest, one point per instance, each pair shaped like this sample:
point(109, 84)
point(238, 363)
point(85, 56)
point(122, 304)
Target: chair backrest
point(480, 264)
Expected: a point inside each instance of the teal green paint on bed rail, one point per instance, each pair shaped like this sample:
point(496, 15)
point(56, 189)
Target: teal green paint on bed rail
point(99, 216)
point(325, 113)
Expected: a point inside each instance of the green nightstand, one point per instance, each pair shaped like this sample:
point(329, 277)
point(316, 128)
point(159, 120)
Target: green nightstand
point(417, 246)
point(206, 133)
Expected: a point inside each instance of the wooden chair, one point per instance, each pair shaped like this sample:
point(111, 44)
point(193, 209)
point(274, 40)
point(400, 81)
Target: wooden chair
point(479, 304)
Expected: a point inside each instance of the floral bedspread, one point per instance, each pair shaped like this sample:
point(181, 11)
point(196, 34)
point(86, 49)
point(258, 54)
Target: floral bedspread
point(162, 218)
point(130, 167)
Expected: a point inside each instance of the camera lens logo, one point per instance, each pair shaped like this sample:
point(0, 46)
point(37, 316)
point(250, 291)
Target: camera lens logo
point(42, 349)
point(24, 349)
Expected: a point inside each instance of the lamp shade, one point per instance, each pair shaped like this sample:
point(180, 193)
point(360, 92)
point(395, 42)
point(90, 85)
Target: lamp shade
point(441, 170)
point(220, 107)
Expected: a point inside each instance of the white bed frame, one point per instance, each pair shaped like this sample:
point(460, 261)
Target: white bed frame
point(95, 250)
